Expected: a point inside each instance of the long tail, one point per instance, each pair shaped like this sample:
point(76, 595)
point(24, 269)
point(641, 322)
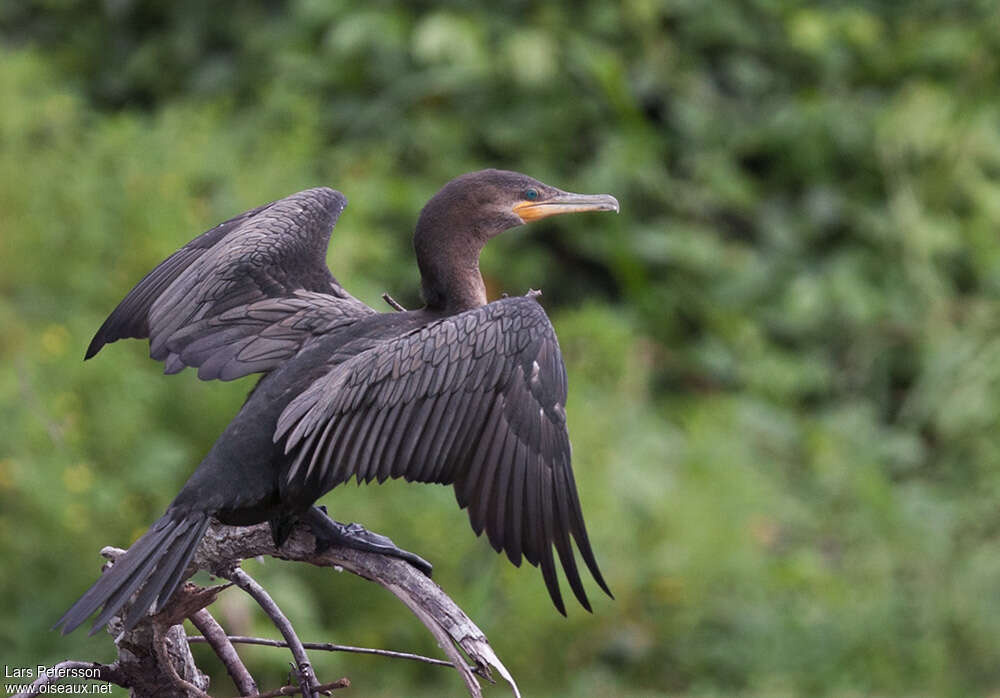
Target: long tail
point(155, 564)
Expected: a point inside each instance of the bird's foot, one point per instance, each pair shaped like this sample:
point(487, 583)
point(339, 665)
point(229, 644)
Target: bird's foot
point(329, 532)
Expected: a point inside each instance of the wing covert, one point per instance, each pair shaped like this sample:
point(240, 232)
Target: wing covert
point(242, 296)
point(475, 400)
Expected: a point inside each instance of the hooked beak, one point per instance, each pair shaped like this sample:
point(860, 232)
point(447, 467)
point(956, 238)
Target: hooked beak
point(564, 202)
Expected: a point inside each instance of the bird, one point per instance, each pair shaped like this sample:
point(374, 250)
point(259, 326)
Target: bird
point(462, 391)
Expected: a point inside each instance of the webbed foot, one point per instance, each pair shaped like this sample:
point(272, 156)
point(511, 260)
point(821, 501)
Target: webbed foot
point(329, 532)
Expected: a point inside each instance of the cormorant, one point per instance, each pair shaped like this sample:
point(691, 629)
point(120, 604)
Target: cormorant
point(461, 391)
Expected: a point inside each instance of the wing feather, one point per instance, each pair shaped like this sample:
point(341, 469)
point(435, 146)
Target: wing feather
point(366, 419)
point(489, 455)
point(452, 453)
point(425, 469)
point(533, 514)
point(544, 487)
point(364, 461)
point(395, 438)
point(496, 505)
point(515, 506)
point(380, 464)
point(473, 480)
point(563, 545)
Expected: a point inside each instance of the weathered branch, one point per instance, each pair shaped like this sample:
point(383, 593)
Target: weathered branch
point(160, 647)
point(303, 668)
point(154, 658)
point(292, 690)
point(215, 636)
point(153, 655)
point(451, 627)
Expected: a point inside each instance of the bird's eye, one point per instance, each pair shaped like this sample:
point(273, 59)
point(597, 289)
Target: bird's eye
point(531, 194)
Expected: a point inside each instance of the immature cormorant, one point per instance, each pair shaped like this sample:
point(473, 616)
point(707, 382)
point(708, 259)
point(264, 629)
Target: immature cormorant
point(460, 392)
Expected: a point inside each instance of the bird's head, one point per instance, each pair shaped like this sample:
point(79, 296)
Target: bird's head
point(488, 202)
point(469, 210)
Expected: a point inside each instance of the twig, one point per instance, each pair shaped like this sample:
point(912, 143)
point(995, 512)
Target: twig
point(105, 672)
point(244, 581)
point(329, 647)
point(216, 637)
point(393, 303)
point(160, 645)
point(292, 690)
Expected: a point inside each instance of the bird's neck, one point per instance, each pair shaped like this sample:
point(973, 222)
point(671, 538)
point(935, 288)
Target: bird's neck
point(449, 269)
point(460, 293)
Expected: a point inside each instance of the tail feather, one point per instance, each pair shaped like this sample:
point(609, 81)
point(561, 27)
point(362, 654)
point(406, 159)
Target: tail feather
point(139, 577)
point(155, 563)
point(105, 587)
point(176, 576)
point(169, 571)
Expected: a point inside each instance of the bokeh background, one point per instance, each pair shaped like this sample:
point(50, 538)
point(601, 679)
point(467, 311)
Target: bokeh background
point(784, 355)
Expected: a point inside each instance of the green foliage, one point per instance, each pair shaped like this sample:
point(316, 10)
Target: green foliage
point(782, 354)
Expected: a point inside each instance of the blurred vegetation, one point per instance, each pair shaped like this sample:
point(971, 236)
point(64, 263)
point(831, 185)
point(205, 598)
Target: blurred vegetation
point(783, 354)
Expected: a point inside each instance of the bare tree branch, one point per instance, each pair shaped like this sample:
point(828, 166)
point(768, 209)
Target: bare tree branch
point(292, 690)
point(216, 637)
point(304, 670)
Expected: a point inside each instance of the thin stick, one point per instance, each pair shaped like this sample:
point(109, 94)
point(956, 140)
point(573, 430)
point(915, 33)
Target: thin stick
point(393, 303)
point(216, 637)
point(105, 672)
point(244, 581)
point(327, 647)
point(292, 690)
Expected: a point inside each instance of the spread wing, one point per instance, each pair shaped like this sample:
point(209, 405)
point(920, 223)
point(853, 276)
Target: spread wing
point(243, 296)
point(477, 400)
